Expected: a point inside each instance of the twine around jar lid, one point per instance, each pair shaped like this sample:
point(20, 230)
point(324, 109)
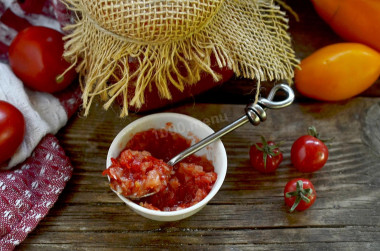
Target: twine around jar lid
point(171, 42)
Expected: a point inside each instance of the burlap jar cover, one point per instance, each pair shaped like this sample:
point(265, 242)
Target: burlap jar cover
point(172, 42)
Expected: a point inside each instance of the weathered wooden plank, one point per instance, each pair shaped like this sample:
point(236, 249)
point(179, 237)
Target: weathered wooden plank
point(248, 212)
point(346, 246)
point(263, 213)
point(171, 237)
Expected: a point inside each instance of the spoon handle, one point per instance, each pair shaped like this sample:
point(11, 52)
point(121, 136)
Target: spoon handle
point(208, 140)
point(255, 113)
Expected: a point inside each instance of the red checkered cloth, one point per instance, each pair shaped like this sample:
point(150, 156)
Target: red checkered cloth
point(30, 189)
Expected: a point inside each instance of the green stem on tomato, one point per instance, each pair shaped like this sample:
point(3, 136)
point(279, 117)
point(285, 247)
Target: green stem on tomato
point(300, 194)
point(59, 79)
point(267, 150)
point(312, 131)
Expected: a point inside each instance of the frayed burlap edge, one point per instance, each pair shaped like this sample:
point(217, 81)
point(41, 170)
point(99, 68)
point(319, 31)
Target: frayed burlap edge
point(246, 36)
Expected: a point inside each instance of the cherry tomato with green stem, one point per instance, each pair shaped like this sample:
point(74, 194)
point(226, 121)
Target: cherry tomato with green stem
point(12, 130)
point(299, 194)
point(266, 156)
point(308, 152)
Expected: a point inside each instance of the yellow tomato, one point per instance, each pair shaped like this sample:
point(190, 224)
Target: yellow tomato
point(337, 72)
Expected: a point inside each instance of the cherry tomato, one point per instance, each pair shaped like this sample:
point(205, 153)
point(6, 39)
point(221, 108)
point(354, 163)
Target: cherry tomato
point(266, 156)
point(308, 153)
point(12, 130)
point(337, 72)
point(35, 56)
point(299, 194)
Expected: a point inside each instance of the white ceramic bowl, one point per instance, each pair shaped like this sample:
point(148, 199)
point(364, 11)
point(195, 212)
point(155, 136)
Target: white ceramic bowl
point(184, 125)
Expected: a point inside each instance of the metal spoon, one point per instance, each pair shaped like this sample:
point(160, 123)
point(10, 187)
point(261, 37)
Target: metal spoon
point(255, 113)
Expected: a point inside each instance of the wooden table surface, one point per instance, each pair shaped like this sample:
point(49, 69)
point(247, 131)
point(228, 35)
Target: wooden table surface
point(248, 212)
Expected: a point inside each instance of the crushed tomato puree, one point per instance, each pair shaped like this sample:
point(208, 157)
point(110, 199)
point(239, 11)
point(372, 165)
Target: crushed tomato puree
point(141, 169)
point(137, 173)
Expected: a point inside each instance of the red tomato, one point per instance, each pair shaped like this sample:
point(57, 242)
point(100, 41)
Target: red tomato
point(299, 194)
point(308, 153)
point(35, 56)
point(12, 130)
point(265, 157)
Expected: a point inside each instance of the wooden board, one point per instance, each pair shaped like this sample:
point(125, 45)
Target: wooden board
point(248, 212)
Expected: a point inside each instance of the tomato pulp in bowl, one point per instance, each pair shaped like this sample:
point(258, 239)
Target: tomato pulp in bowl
point(189, 128)
point(141, 170)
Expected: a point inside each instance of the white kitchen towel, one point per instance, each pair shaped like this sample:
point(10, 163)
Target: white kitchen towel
point(43, 113)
